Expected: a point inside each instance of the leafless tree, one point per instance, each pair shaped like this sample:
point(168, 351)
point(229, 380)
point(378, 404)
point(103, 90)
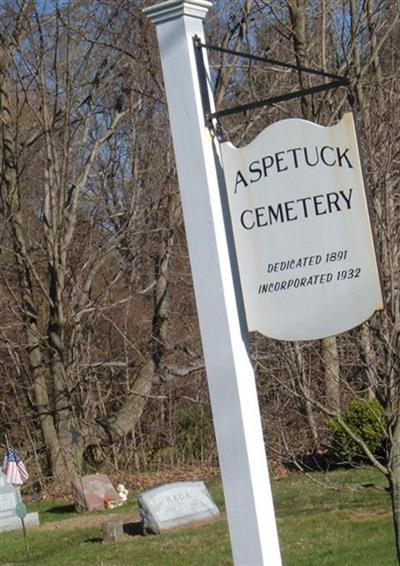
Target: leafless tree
point(90, 216)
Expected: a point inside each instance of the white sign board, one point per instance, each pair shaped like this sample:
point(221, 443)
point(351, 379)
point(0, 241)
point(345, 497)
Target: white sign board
point(302, 232)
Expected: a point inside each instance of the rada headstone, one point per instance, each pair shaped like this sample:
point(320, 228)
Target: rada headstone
point(175, 504)
point(10, 504)
point(94, 492)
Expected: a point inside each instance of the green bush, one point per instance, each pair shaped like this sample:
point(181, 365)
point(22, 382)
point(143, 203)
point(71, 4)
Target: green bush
point(366, 419)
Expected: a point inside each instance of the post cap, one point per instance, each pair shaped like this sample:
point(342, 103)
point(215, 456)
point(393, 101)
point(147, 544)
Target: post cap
point(172, 9)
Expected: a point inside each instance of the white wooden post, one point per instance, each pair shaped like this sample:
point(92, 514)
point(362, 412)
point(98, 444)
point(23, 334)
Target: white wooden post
point(223, 328)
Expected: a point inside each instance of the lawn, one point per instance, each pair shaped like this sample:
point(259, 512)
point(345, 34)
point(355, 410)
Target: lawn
point(337, 519)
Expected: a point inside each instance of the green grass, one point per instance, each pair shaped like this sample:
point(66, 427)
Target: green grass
point(338, 523)
point(50, 511)
point(351, 527)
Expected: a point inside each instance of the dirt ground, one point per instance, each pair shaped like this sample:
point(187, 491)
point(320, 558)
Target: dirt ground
point(90, 520)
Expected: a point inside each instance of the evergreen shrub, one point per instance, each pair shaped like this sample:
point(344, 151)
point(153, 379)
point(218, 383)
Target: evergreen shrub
point(367, 419)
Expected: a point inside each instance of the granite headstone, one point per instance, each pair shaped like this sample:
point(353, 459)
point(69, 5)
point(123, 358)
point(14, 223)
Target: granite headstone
point(94, 492)
point(10, 498)
point(175, 504)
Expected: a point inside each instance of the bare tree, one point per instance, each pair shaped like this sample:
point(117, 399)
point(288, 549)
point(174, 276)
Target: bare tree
point(90, 216)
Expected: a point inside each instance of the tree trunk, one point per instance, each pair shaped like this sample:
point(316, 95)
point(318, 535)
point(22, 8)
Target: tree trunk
point(394, 482)
point(330, 358)
point(12, 207)
point(371, 363)
point(297, 12)
point(356, 59)
point(62, 461)
point(304, 387)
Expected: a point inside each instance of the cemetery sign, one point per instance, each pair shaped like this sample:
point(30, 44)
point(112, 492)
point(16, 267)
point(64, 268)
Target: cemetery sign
point(302, 231)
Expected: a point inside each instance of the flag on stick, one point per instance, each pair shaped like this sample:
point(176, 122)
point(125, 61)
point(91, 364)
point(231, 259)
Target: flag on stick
point(14, 469)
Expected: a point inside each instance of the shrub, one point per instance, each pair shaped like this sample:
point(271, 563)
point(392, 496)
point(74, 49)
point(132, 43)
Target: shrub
point(366, 419)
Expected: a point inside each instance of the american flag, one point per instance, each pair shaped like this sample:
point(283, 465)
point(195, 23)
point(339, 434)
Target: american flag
point(14, 469)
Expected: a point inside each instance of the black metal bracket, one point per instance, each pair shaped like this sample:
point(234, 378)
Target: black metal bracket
point(338, 81)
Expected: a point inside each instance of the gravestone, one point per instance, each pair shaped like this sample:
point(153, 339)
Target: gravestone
point(112, 531)
point(10, 501)
point(175, 504)
point(94, 492)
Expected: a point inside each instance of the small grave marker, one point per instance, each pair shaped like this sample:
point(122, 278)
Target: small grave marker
point(175, 504)
point(112, 531)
